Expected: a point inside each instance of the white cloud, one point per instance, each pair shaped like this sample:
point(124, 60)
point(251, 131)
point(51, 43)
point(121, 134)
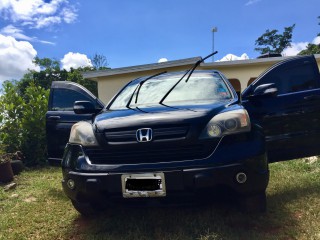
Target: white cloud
point(48, 8)
point(316, 40)
point(16, 58)
point(38, 13)
point(47, 21)
point(75, 60)
point(14, 32)
point(250, 2)
point(295, 49)
point(69, 14)
point(4, 4)
point(298, 47)
point(17, 33)
point(232, 57)
point(161, 60)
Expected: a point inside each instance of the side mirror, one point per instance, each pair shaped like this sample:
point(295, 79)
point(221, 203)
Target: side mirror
point(84, 107)
point(265, 90)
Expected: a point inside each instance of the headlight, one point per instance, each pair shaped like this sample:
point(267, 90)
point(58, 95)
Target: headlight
point(227, 123)
point(82, 133)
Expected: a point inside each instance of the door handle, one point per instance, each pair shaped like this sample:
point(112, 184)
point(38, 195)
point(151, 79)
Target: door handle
point(312, 97)
point(54, 117)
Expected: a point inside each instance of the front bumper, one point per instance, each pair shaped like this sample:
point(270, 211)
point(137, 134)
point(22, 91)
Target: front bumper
point(195, 178)
point(106, 187)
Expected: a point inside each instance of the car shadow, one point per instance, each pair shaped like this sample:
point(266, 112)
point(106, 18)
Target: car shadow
point(57, 194)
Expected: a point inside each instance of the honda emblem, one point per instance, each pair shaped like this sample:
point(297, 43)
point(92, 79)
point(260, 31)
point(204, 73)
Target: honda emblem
point(144, 135)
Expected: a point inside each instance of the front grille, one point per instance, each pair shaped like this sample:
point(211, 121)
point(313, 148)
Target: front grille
point(148, 154)
point(159, 134)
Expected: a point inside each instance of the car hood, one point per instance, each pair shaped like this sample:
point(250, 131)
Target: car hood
point(148, 116)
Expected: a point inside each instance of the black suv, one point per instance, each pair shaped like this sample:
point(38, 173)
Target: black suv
point(180, 134)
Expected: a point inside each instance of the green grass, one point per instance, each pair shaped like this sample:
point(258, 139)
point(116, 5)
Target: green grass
point(38, 209)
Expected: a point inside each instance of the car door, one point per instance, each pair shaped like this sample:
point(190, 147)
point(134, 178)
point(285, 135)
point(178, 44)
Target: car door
point(60, 115)
point(291, 117)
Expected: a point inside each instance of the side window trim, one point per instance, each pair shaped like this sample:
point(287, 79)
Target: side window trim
point(297, 92)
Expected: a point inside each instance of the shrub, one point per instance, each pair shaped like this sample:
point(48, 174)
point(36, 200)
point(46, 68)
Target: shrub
point(23, 121)
point(11, 114)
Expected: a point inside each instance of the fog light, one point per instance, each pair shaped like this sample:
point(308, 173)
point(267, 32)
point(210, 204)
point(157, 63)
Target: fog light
point(241, 177)
point(71, 184)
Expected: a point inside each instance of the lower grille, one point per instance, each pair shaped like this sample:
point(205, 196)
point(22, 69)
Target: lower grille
point(148, 154)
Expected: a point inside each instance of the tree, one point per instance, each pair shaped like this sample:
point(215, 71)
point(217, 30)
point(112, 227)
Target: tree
point(47, 63)
point(74, 75)
point(99, 62)
point(319, 24)
point(50, 71)
point(274, 42)
point(311, 48)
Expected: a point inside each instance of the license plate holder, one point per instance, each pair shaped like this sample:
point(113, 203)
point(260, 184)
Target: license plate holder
point(143, 185)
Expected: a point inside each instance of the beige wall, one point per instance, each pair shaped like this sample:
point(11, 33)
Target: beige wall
point(242, 73)
point(108, 86)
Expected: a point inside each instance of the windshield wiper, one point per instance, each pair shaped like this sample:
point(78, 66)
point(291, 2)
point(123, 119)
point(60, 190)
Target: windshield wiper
point(190, 71)
point(143, 81)
point(198, 63)
point(138, 88)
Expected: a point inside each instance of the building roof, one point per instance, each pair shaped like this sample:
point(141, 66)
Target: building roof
point(183, 62)
point(140, 68)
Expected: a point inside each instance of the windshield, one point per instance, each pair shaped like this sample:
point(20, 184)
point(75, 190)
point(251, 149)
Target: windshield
point(200, 87)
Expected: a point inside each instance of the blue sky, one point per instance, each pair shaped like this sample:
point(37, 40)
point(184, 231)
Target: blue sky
point(138, 32)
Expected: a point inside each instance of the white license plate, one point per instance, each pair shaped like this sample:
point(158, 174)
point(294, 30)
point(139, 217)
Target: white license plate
point(143, 185)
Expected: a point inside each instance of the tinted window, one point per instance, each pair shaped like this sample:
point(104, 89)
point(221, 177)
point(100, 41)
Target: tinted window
point(200, 87)
point(63, 99)
point(292, 79)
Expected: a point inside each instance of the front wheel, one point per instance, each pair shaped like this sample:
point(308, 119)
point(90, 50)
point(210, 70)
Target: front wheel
point(256, 203)
point(87, 209)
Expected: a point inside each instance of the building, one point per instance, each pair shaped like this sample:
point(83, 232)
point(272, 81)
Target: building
point(240, 72)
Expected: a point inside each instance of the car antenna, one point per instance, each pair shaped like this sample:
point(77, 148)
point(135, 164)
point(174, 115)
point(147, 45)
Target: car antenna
point(190, 71)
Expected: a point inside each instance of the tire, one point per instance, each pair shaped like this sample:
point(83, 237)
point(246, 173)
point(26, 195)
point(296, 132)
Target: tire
point(87, 209)
point(17, 166)
point(256, 203)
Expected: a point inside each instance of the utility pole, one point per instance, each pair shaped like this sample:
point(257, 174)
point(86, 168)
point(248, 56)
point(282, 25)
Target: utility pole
point(214, 29)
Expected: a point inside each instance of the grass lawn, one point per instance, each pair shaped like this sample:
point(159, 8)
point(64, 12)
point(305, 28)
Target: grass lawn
point(38, 209)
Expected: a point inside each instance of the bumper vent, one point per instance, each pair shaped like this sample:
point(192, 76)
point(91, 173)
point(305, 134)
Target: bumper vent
point(148, 154)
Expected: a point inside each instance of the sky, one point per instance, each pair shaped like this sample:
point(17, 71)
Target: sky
point(136, 32)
